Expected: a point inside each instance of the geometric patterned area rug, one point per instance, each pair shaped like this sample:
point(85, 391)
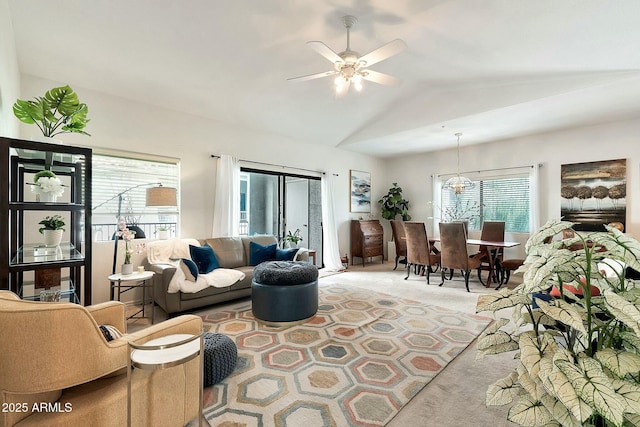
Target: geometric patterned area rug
point(356, 363)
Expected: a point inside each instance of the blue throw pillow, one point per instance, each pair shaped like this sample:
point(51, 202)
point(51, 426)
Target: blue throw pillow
point(204, 257)
point(259, 253)
point(190, 269)
point(286, 254)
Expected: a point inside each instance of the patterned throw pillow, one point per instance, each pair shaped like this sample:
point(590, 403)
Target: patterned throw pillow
point(110, 332)
point(205, 258)
point(259, 254)
point(189, 268)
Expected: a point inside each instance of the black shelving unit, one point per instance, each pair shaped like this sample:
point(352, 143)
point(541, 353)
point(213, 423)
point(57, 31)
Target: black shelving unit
point(22, 254)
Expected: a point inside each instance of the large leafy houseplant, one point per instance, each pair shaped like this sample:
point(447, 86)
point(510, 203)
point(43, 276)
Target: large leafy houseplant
point(393, 204)
point(579, 355)
point(58, 111)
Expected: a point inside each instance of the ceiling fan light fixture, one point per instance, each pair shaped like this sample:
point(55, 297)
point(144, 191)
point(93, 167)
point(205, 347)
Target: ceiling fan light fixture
point(357, 82)
point(458, 183)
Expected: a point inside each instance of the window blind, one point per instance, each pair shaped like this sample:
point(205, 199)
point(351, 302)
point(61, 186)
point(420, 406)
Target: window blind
point(113, 175)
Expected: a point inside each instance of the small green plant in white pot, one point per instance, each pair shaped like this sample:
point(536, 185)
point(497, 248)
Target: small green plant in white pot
point(163, 233)
point(52, 229)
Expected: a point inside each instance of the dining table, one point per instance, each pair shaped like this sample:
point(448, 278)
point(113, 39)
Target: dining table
point(492, 254)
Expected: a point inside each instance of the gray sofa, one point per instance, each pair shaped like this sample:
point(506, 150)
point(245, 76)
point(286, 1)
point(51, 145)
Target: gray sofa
point(232, 252)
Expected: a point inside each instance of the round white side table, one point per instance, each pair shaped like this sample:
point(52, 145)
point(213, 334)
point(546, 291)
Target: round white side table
point(126, 282)
point(166, 352)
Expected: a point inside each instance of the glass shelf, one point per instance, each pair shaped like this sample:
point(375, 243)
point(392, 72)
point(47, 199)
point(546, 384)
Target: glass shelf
point(36, 253)
point(42, 155)
point(66, 289)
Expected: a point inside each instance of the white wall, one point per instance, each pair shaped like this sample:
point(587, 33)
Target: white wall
point(616, 140)
point(118, 123)
point(9, 74)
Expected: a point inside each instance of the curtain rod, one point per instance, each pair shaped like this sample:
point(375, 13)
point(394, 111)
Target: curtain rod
point(279, 166)
point(488, 170)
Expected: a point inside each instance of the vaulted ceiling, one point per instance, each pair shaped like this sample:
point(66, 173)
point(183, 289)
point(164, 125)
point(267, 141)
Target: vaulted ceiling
point(491, 69)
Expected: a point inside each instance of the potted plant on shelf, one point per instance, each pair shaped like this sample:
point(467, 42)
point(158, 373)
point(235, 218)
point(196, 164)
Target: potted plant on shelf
point(47, 186)
point(52, 230)
point(58, 111)
point(578, 352)
point(291, 240)
point(393, 204)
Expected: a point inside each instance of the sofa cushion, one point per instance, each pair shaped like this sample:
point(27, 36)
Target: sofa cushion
point(205, 258)
point(229, 251)
point(259, 253)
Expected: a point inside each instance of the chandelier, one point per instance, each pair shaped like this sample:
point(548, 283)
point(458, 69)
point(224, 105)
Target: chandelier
point(458, 183)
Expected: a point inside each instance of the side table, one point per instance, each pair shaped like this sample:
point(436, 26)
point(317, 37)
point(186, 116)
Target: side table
point(125, 283)
point(166, 352)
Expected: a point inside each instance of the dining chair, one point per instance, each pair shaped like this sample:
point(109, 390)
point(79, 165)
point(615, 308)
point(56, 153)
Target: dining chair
point(397, 229)
point(453, 251)
point(419, 251)
point(492, 231)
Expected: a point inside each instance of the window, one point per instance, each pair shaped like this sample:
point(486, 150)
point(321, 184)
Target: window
point(278, 203)
point(114, 174)
point(504, 198)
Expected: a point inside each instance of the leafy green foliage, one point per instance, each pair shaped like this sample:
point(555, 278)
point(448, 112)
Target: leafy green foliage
point(393, 204)
point(43, 174)
point(59, 111)
point(55, 222)
point(579, 355)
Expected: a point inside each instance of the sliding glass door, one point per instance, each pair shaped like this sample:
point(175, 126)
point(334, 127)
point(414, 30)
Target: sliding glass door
point(276, 203)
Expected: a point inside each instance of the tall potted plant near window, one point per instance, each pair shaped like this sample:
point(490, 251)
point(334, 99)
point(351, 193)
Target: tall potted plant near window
point(393, 204)
point(579, 352)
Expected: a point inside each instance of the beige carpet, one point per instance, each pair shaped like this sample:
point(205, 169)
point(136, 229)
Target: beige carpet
point(455, 397)
point(357, 362)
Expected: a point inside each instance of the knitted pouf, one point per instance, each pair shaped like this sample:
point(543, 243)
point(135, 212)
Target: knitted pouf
point(284, 291)
point(220, 357)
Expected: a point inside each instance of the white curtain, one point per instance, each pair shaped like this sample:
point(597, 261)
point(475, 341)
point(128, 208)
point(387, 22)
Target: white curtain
point(534, 202)
point(331, 249)
point(226, 210)
point(436, 204)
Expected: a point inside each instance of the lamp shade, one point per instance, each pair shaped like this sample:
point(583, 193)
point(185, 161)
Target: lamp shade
point(161, 196)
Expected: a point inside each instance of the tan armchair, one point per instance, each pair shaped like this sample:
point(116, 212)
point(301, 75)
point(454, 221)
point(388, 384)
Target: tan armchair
point(54, 356)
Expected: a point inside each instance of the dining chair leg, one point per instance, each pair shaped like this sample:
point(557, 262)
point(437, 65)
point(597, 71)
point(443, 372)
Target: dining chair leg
point(466, 279)
point(480, 276)
point(442, 276)
point(427, 270)
point(397, 258)
point(408, 271)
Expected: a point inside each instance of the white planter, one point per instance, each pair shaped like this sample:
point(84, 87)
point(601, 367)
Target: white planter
point(126, 269)
point(47, 197)
point(52, 237)
point(163, 234)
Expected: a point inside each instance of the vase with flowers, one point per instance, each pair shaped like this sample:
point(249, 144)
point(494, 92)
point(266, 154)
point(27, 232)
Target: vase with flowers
point(47, 186)
point(127, 236)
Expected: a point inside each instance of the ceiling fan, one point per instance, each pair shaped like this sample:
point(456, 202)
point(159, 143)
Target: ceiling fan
point(350, 67)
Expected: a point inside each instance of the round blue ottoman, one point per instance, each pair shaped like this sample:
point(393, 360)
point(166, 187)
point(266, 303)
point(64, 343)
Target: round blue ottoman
point(284, 291)
point(220, 357)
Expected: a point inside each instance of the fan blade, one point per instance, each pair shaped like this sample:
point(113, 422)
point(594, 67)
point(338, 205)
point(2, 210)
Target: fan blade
point(314, 76)
point(383, 52)
point(380, 78)
point(325, 51)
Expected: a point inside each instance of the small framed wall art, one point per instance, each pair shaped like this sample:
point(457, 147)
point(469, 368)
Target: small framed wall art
point(360, 191)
